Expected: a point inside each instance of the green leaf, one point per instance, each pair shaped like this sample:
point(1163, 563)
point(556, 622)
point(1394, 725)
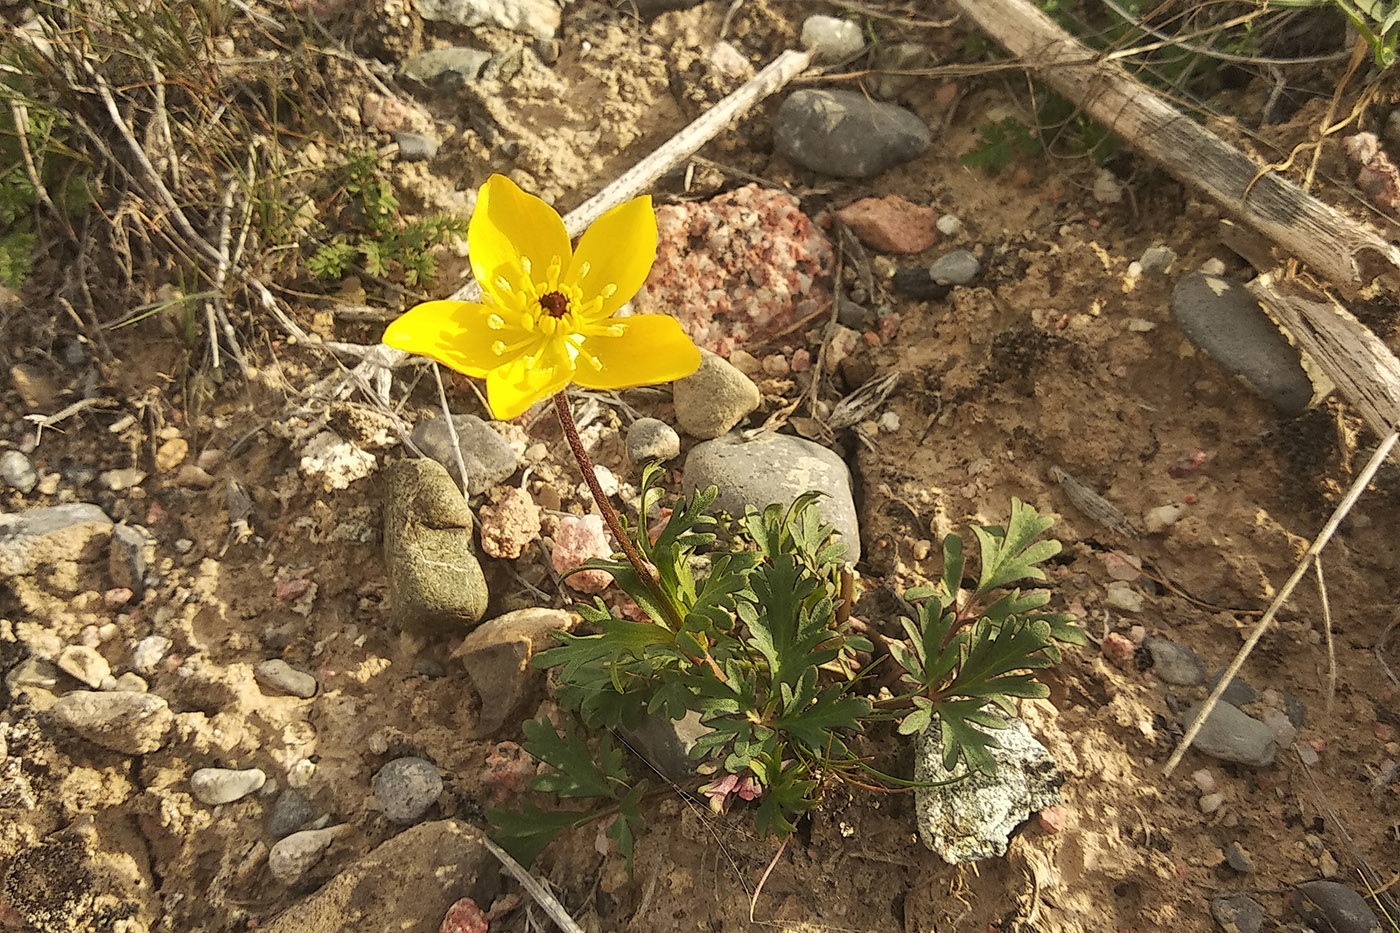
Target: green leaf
point(1011, 554)
point(962, 739)
point(575, 773)
point(787, 793)
point(1003, 143)
point(952, 566)
point(525, 833)
point(813, 718)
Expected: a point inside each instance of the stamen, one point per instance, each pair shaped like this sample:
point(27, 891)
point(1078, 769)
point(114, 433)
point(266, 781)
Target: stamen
point(503, 284)
point(584, 269)
point(616, 330)
point(499, 347)
point(608, 291)
point(590, 359)
point(556, 266)
point(495, 322)
point(525, 265)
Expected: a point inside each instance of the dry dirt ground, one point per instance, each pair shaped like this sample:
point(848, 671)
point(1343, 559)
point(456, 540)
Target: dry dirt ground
point(1056, 358)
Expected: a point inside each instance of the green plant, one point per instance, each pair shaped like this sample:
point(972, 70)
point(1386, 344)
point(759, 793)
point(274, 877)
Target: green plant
point(767, 655)
point(1376, 21)
point(385, 245)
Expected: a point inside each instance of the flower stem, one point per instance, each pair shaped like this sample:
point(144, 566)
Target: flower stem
point(644, 572)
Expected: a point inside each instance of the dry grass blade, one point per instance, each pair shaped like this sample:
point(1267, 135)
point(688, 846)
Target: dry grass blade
point(547, 901)
point(861, 403)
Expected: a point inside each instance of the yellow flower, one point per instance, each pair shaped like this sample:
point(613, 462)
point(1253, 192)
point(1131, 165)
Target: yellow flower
point(547, 317)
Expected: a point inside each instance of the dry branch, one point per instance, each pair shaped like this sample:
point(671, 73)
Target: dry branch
point(1339, 248)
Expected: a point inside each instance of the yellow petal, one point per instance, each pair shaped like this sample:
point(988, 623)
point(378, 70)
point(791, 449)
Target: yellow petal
point(522, 382)
point(652, 348)
point(509, 225)
point(619, 250)
point(455, 333)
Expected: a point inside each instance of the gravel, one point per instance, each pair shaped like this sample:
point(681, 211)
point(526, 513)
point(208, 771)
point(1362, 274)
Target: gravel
point(405, 788)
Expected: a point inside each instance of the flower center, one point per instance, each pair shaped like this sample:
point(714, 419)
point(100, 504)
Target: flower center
point(555, 303)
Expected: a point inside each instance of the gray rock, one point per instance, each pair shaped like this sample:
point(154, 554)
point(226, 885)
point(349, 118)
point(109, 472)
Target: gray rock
point(290, 812)
point(84, 664)
point(918, 283)
point(1297, 713)
point(214, 786)
point(17, 471)
point(665, 744)
point(830, 39)
point(405, 884)
point(1238, 913)
point(846, 134)
point(776, 468)
point(1238, 859)
point(714, 398)
point(458, 63)
point(129, 723)
point(1240, 692)
point(650, 439)
point(973, 819)
point(1232, 735)
point(898, 56)
point(959, 267)
point(1175, 664)
point(415, 147)
point(292, 857)
point(435, 581)
point(487, 455)
point(1157, 259)
point(854, 316)
point(38, 537)
point(279, 676)
point(405, 788)
point(1329, 907)
point(148, 652)
point(130, 558)
point(1223, 319)
point(539, 18)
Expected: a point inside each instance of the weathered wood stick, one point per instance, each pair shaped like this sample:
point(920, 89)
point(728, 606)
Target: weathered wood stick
point(1337, 247)
point(1361, 367)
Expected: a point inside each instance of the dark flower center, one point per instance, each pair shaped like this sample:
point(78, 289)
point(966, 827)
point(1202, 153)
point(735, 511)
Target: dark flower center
point(555, 303)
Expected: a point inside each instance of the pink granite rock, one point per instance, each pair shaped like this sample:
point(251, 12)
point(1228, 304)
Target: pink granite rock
point(737, 269)
point(510, 524)
point(576, 541)
point(891, 224)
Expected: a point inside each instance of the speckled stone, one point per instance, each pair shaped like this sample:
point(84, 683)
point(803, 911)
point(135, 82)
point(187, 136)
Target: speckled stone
point(405, 788)
point(738, 268)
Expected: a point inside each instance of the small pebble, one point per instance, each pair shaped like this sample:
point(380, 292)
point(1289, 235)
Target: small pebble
point(1209, 803)
point(1204, 780)
point(1118, 649)
point(291, 811)
point(129, 723)
point(1280, 725)
point(131, 682)
point(1121, 595)
point(171, 454)
point(852, 315)
point(291, 858)
point(1212, 266)
point(889, 422)
point(1238, 913)
point(415, 147)
point(464, 916)
point(120, 480)
point(959, 267)
point(85, 664)
point(149, 651)
point(1238, 859)
point(1232, 735)
point(830, 39)
point(281, 677)
point(714, 398)
point(17, 471)
point(1158, 520)
point(406, 787)
point(650, 439)
point(1157, 259)
point(1308, 754)
point(1239, 693)
point(1175, 664)
point(214, 786)
point(949, 225)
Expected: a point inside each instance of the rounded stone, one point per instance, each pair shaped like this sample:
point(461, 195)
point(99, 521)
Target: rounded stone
point(1224, 320)
point(846, 134)
point(85, 664)
point(291, 858)
point(1238, 912)
point(130, 723)
point(290, 812)
point(1331, 906)
point(651, 439)
point(17, 471)
point(1231, 735)
point(1175, 664)
point(830, 39)
point(959, 267)
point(213, 786)
point(776, 468)
point(714, 398)
point(281, 677)
point(406, 787)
